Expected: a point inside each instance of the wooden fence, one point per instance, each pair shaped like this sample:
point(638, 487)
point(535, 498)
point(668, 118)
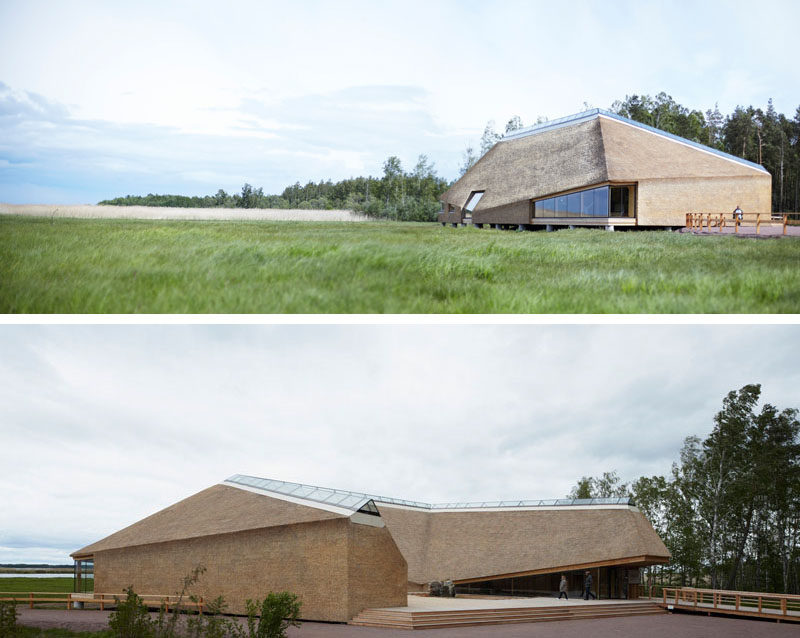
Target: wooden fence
point(763, 605)
point(696, 221)
point(101, 600)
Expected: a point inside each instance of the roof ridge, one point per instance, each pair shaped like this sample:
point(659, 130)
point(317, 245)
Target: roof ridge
point(585, 116)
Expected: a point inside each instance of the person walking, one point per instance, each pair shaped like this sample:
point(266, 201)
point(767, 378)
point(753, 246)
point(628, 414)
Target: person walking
point(562, 587)
point(587, 586)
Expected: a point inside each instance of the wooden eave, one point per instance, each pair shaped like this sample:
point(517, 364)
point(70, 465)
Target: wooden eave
point(631, 561)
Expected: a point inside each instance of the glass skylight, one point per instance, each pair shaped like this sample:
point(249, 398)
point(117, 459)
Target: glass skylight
point(358, 501)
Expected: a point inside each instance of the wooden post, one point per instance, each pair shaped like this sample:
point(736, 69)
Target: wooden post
point(759, 603)
point(102, 603)
point(736, 225)
point(30, 598)
point(664, 595)
point(758, 224)
point(708, 222)
point(785, 220)
point(201, 604)
point(738, 601)
point(721, 222)
point(783, 606)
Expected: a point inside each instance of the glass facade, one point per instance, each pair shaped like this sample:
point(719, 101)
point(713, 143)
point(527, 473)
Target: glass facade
point(83, 576)
point(605, 201)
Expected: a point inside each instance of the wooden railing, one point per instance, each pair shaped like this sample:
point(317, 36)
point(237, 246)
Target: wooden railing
point(102, 600)
point(696, 221)
point(740, 602)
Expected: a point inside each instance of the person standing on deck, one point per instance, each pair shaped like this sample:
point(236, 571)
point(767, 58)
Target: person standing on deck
point(587, 586)
point(562, 587)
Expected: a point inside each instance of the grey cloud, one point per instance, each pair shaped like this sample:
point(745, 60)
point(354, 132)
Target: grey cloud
point(436, 413)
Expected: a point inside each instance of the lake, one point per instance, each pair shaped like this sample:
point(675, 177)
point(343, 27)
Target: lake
point(24, 575)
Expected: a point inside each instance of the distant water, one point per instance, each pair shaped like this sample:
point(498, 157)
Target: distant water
point(24, 575)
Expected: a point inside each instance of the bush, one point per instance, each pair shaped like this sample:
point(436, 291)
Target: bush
point(8, 619)
point(268, 619)
point(131, 619)
point(277, 613)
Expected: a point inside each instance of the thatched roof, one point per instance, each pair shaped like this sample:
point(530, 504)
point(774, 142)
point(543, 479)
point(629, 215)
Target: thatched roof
point(582, 150)
point(220, 509)
point(458, 540)
point(481, 544)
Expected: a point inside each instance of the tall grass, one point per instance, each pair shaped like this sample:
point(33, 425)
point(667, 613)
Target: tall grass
point(127, 266)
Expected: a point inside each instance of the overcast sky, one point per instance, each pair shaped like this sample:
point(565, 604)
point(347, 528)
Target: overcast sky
point(103, 425)
point(101, 99)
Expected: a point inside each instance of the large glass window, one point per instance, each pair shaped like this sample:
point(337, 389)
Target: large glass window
point(473, 200)
point(574, 205)
point(600, 202)
point(619, 201)
point(605, 201)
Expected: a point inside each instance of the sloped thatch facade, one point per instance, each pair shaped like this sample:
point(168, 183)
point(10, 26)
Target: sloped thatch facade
point(338, 562)
point(662, 177)
point(342, 552)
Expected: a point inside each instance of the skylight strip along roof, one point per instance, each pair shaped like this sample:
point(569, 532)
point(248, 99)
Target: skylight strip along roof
point(356, 500)
point(585, 116)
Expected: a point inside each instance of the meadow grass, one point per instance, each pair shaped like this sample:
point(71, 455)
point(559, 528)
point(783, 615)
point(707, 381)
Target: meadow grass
point(22, 584)
point(132, 266)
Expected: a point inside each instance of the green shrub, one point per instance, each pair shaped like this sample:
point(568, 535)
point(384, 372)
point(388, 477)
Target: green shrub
point(276, 614)
point(8, 619)
point(131, 619)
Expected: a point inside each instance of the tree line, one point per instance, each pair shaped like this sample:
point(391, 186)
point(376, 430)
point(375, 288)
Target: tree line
point(398, 194)
point(763, 136)
point(729, 510)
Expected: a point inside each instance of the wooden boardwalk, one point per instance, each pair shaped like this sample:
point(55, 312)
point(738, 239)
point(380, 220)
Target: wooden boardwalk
point(778, 607)
point(430, 613)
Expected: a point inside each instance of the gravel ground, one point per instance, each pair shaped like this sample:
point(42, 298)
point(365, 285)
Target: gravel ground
point(666, 626)
point(156, 212)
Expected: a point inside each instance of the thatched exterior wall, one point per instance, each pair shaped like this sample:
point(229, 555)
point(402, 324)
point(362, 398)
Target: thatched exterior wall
point(673, 177)
point(250, 545)
point(253, 540)
point(474, 545)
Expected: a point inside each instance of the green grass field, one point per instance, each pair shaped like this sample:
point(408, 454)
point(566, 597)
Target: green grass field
point(22, 584)
point(126, 266)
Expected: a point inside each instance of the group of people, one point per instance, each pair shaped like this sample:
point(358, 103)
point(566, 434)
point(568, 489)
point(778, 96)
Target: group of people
point(587, 586)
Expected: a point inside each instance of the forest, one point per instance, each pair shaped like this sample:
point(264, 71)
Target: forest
point(763, 136)
point(729, 509)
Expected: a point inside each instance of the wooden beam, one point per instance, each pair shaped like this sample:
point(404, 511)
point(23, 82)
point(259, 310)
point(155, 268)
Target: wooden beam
point(632, 561)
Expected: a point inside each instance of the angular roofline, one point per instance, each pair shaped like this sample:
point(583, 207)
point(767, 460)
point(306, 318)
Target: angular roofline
point(586, 116)
point(345, 501)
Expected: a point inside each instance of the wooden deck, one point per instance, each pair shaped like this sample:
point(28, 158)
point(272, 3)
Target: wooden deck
point(778, 607)
point(430, 613)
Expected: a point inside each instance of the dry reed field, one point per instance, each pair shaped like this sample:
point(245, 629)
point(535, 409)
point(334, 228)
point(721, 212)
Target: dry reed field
point(155, 212)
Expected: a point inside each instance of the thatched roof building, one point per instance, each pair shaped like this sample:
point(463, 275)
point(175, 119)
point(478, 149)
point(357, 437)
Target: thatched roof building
point(648, 177)
point(343, 551)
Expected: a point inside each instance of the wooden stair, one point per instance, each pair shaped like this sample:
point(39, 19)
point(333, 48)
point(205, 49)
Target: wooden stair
point(399, 619)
